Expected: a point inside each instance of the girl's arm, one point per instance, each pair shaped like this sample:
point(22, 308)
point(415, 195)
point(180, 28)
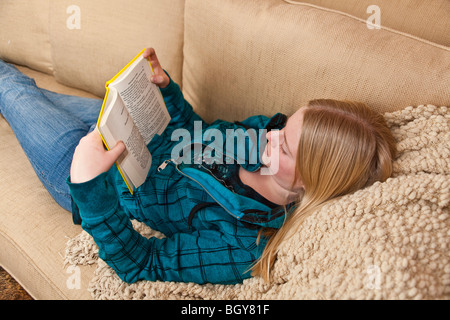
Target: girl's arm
point(91, 159)
point(202, 256)
point(181, 112)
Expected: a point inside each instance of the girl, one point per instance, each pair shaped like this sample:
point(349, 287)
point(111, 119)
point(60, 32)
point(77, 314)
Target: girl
point(222, 222)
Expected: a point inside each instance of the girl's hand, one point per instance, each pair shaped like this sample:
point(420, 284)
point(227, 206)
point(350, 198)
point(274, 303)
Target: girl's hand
point(91, 159)
point(160, 78)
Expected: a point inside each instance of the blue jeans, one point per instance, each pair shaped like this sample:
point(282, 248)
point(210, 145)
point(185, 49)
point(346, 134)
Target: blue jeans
point(48, 126)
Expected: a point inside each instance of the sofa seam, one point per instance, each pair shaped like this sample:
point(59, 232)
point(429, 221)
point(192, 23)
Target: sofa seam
point(392, 30)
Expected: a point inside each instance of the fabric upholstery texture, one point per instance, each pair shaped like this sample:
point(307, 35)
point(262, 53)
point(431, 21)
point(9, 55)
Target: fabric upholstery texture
point(426, 20)
point(24, 36)
point(235, 59)
point(272, 55)
point(105, 42)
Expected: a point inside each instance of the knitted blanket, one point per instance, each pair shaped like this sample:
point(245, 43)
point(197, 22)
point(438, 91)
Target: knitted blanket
point(388, 241)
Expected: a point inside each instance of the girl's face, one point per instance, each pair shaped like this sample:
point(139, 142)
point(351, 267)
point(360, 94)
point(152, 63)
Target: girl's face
point(280, 154)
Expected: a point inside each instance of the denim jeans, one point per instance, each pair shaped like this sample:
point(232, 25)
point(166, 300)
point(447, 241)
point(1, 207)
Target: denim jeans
point(47, 125)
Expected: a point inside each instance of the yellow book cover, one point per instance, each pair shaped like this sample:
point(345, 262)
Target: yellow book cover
point(133, 111)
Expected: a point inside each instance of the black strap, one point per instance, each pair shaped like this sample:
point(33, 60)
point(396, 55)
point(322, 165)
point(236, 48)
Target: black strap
point(197, 208)
point(248, 220)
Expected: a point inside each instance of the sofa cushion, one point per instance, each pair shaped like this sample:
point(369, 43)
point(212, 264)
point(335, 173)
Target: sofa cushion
point(253, 57)
point(24, 37)
point(428, 20)
point(89, 48)
point(33, 228)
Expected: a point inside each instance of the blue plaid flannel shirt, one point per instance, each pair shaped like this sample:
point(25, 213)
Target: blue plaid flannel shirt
point(210, 230)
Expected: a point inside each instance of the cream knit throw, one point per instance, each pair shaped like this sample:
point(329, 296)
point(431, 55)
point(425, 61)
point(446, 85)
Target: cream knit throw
point(388, 241)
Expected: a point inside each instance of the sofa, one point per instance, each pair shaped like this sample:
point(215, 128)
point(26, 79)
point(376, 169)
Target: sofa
point(234, 59)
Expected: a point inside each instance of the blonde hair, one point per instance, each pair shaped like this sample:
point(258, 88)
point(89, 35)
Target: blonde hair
point(344, 146)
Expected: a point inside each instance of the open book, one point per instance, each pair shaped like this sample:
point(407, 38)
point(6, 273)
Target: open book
point(133, 111)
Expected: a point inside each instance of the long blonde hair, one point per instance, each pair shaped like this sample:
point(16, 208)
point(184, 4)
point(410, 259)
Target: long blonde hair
point(344, 146)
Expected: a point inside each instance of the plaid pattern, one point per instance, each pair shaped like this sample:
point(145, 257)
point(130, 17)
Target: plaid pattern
point(217, 244)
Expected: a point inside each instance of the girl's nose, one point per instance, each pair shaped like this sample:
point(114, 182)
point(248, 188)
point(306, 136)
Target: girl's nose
point(274, 137)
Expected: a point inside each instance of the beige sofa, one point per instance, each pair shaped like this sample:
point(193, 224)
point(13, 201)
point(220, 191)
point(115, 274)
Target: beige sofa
point(234, 59)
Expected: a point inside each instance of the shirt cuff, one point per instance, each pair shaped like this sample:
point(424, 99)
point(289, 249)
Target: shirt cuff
point(167, 91)
point(96, 198)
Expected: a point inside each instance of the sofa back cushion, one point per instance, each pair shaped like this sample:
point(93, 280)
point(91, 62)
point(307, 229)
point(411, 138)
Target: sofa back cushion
point(24, 37)
point(261, 57)
point(428, 20)
point(92, 40)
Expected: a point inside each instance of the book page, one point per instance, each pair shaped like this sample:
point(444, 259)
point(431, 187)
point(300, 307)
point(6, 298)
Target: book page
point(143, 99)
point(116, 124)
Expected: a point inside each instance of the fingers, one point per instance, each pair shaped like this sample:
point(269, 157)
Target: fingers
point(159, 78)
point(96, 139)
point(95, 134)
point(91, 159)
point(92, 137)
point(150, 54)
point(115, 152)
